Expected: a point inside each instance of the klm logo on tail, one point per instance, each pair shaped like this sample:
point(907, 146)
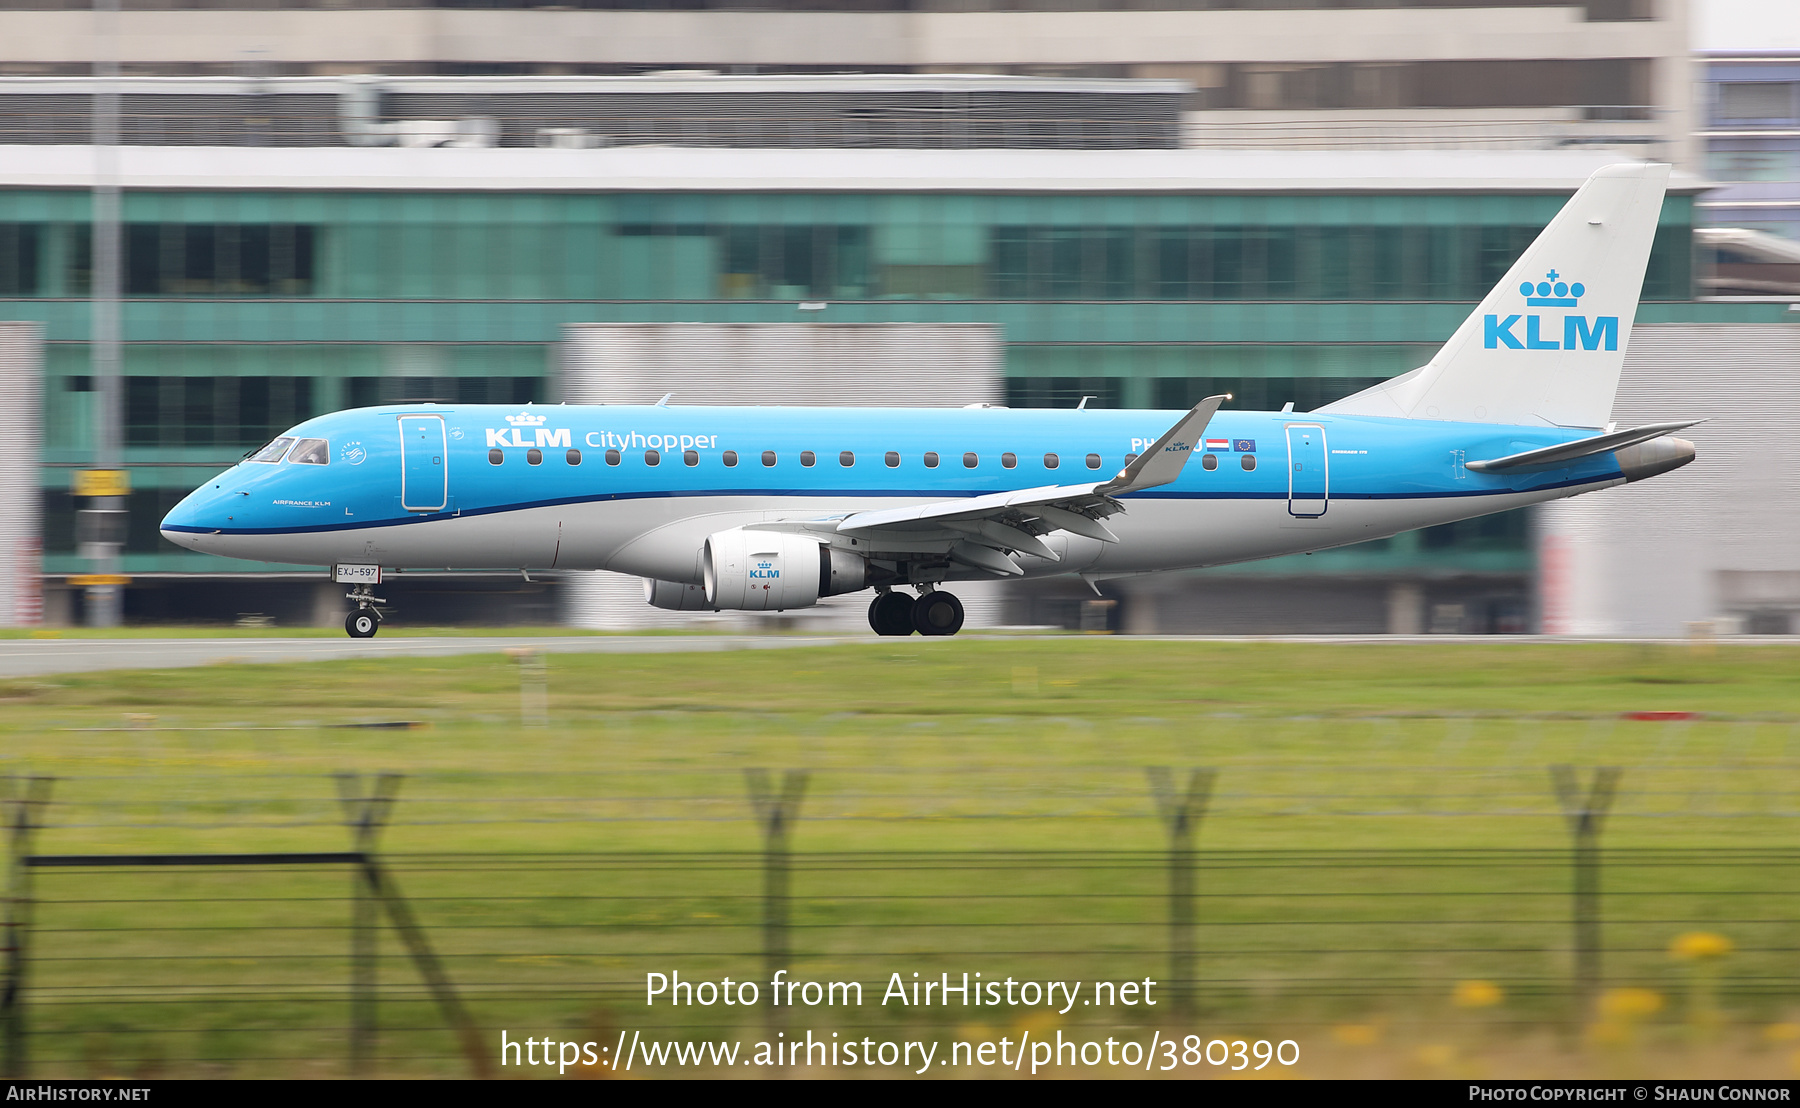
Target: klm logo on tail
point(1579, 332)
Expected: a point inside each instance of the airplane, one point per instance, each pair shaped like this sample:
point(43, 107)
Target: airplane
point(769, 509)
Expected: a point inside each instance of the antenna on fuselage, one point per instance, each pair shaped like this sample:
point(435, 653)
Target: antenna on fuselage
point(664, 402)
point(1082, 407)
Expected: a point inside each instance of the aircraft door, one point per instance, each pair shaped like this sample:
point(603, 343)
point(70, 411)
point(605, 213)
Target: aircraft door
point(1309, 481)
point(424, 481)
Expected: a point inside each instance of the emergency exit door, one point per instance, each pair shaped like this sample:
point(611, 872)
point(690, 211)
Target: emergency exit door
point(1309, 481)
point(424, 481)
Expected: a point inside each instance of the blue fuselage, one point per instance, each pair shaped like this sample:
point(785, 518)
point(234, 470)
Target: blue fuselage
point(637, 489)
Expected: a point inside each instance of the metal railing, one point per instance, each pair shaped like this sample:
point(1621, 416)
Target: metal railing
point(1637, 126)
point(243, 122)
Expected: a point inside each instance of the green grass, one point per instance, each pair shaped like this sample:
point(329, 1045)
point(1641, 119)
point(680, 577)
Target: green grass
point(965, 776)
point(1094, 677)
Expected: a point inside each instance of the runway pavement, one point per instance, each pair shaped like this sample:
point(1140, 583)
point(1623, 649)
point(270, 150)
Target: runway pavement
point(36, 657)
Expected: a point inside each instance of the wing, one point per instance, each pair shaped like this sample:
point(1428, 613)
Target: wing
point(983, 532)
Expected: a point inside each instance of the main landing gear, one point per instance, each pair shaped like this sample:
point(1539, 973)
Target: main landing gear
point(935, 612)
point(366, 620)
point(890, 613)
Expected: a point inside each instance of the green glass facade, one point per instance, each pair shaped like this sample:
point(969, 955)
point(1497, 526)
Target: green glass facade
point(248, 310)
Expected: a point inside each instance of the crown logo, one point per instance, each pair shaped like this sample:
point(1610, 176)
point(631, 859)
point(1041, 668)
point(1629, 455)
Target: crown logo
point(526, 419)
point(1552, 293)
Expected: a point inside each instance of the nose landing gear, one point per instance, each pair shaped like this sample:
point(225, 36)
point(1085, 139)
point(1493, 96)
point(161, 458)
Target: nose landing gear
point(366, 620)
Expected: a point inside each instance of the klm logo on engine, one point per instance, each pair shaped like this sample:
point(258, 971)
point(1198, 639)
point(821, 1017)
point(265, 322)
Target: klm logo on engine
point(1579, 332)
point(765, 571)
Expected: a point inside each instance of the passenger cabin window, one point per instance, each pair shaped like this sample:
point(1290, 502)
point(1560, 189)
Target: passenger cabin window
point(1129, 458)
point(1009, 460)
point(1248, 461)
point(273, 452)
point(1209, 461)
point(573, 457)
point(768, 457)
point(690, 457)
point(612, 457)
point(931, 459)
point(1051, 461)
point(652, 457)
point(892, 458)
point(847, 458)
point(496, 456)
point(534, 456)
point(731, 459)
point(1093, 461)
point(311, 452)
point(807, 457)
point(971, 460)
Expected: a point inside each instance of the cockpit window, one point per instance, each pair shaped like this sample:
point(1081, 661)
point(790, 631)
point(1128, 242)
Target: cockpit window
point(273, 452)
point(311, 452)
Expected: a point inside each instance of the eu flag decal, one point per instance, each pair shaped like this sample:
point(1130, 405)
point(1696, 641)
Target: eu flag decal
point(1244, 446)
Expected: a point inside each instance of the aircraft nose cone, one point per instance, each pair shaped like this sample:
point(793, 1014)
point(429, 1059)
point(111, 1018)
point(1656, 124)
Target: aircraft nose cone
point(185, 539)
point(190, 522)
point(180, 527)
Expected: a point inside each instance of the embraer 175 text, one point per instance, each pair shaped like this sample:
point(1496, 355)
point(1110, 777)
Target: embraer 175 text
point(764, 509)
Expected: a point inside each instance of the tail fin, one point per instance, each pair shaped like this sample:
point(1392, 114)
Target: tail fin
point(1547, 344)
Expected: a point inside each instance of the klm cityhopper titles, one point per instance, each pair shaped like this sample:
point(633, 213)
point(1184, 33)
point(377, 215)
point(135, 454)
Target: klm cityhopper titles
point(764, 509)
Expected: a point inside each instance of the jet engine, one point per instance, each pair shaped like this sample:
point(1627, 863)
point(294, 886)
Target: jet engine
point(675, 596)
point(767, 571)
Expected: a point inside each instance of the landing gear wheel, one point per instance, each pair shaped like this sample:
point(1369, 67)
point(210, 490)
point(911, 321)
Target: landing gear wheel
point(890, 613)
point(937, 613)
point(362, 624)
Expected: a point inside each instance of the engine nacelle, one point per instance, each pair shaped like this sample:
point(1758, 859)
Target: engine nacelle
point(675, 596)
point(767, 571)
point(841, 571)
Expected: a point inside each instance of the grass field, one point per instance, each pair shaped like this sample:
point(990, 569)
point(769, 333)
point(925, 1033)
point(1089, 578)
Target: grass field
point(1382, 827)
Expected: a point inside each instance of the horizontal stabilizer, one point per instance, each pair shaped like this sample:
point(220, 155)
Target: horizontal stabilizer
point(1566, 452)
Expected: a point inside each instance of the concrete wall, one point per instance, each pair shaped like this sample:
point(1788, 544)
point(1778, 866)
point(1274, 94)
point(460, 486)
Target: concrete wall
point(1718, 538)
point(21, 377)
point(1140, 43)
point(369, 38)
point(806, 364)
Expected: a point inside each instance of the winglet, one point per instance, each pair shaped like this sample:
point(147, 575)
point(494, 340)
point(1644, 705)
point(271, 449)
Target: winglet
point(1163, 460)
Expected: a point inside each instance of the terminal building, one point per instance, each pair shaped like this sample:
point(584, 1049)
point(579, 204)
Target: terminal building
point(297, 245)
point(1750, 238)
